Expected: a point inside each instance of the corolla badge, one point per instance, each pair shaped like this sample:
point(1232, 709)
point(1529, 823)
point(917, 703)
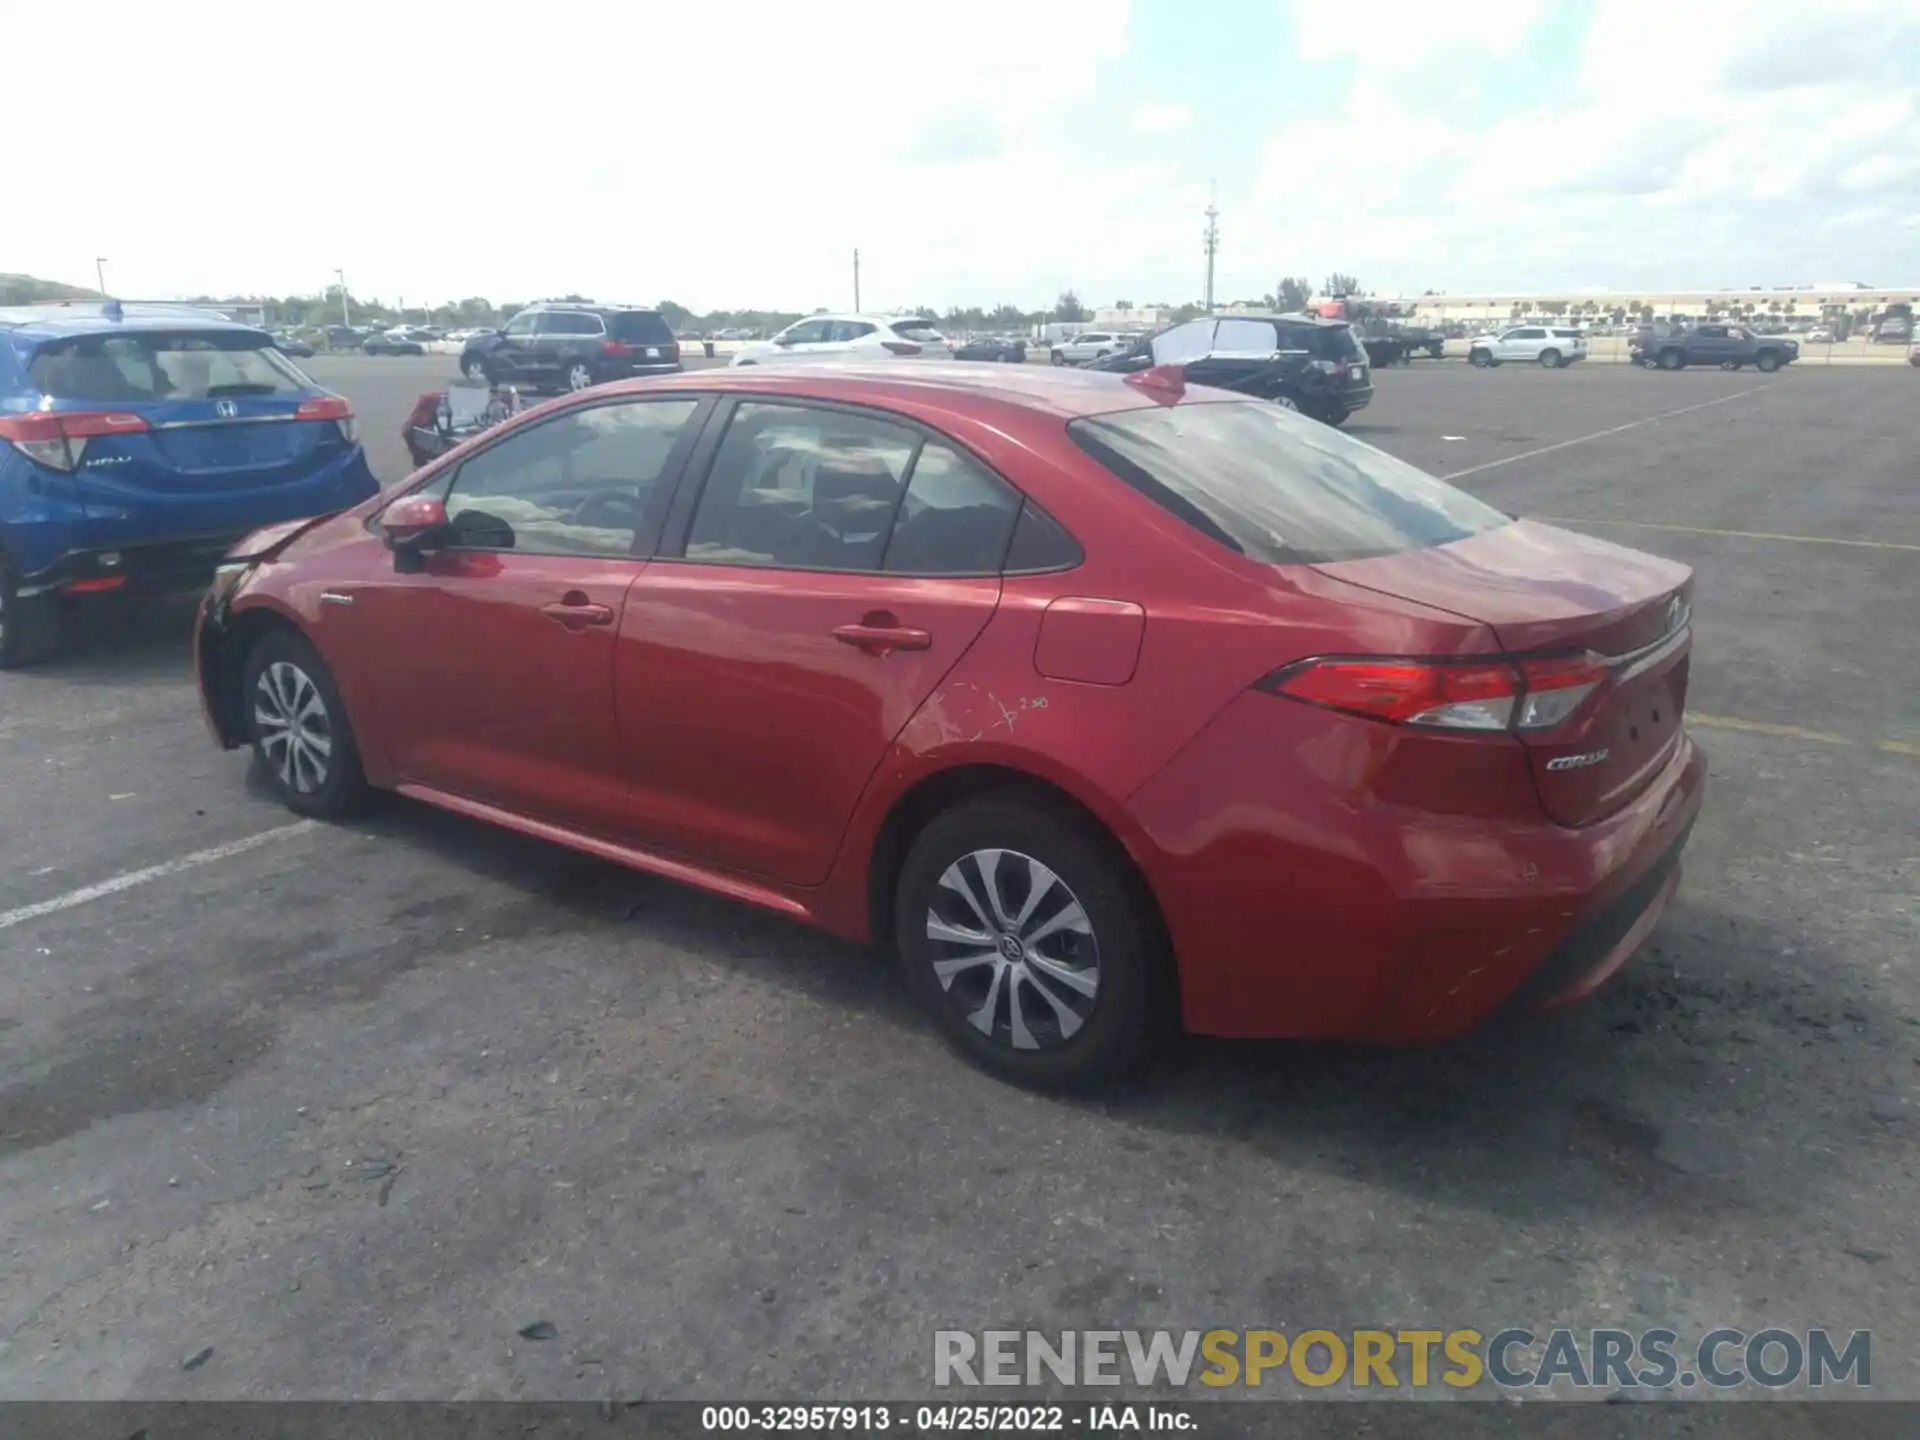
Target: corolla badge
point(1577, 762)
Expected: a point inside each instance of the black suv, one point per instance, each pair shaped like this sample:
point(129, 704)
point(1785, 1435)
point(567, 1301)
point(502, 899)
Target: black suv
point(1305, 363)
point(569, 347)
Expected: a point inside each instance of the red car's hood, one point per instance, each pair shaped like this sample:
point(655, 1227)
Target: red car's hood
point(269, 540)
point(1535, 584)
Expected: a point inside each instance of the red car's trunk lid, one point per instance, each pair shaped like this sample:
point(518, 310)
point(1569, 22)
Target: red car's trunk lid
point(1544, 590)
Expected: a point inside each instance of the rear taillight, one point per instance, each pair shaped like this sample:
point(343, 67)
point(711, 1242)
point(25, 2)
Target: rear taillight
point(619, 349)
point(900, 347)
point(1493, 694)
point(58, 438)
point(331, 407)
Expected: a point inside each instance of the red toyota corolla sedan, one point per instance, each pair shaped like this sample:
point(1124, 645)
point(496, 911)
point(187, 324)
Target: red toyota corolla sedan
point(1113, 705)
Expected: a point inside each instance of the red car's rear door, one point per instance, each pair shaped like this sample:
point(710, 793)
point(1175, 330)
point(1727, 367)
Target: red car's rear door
point(764, 670)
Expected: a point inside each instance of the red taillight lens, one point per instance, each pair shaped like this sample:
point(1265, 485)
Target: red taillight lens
point(617, 348)
point(332, 407)
point(95, 585)
point(58, 438)
point(1471, 695)
point(900, 347)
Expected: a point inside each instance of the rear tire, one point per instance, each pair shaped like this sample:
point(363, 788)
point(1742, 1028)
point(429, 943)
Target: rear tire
point(299, 728)
point(474, 367)
point(32, 628)
point(1549, 359)
point(1088, 1000)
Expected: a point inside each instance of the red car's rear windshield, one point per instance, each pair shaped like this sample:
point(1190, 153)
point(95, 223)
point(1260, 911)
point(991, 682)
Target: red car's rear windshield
point(1277, 487)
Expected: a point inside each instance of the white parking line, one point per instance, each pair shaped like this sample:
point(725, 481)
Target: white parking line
point(153, 872)
point(1603, 434)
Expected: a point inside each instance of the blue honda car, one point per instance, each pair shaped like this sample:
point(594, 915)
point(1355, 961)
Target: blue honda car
point(137, 443)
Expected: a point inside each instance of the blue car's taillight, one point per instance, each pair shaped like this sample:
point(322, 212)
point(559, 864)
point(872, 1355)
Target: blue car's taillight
point(58, 438)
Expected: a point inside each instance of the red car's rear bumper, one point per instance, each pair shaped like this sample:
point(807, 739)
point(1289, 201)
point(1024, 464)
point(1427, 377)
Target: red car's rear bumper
point(1302, 902)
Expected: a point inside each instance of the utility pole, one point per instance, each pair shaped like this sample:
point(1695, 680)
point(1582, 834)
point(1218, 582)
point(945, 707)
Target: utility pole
point(100, 272)
point(345, 318)
point(1213, 242)
point(856, 282)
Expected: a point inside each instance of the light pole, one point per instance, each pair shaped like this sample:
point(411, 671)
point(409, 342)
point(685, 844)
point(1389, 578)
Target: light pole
point(100, 273)
point(856, 282)
point(346, 317)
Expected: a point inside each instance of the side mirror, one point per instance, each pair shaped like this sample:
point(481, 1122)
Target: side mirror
point(782, 341)
point(412, 520)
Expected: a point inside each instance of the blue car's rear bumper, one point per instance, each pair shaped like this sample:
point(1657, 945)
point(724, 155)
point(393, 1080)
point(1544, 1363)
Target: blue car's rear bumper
point(54, 539)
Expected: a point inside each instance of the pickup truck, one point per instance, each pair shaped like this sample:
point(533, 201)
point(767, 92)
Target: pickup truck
point(1731, 347)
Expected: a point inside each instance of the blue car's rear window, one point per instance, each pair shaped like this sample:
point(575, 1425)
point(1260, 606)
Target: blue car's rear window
point(128, 369)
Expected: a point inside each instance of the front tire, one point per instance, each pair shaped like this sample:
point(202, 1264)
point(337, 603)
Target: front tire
point(1672, 359)
point(299, 728)
point(474, 367)
point(1027, 939)
point(1549, 359)
point(1767, 362)
point(32, 627)
point(1480, 359)
point(1054, 357)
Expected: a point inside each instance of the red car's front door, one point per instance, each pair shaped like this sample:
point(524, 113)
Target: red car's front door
point(498, 681)
point(835, 567)
point(490, 665)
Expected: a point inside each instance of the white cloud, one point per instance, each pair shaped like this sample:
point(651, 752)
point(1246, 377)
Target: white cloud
point(718, 155)
point(1716, 142)
point(1162, 117)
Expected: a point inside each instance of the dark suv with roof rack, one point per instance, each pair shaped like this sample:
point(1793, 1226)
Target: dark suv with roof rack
point(1300, 362)
point(569, 347)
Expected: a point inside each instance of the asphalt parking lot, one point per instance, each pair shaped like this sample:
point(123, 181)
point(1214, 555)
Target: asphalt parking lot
point(351, 1106)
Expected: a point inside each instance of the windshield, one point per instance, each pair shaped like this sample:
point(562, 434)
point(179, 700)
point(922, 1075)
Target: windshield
point(1277, 487)
point(127, 369)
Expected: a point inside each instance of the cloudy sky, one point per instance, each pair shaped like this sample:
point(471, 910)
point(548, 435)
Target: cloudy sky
point(1001, 150)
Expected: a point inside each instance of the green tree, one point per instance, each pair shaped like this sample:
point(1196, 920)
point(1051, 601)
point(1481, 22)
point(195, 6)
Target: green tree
point(1293, 294)
point(678, 317)
point(1069, 309)
point(1338, 284)
point(1123, 305)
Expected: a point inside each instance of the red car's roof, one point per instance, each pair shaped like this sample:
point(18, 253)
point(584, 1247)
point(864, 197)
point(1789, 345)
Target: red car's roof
point(911, 384)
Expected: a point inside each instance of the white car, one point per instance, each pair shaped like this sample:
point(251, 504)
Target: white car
point(849, 338)
point(1091, 345)
point(1552, 346)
